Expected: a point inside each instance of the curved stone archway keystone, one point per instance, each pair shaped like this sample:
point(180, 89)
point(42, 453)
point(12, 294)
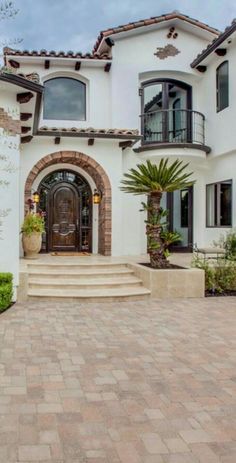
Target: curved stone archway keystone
point(100, 179)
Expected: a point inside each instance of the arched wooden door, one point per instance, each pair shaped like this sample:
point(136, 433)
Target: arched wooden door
point(63, 218)
point(66, 202)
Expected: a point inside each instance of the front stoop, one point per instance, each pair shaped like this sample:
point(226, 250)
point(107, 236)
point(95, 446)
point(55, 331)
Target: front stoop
point(85, 282)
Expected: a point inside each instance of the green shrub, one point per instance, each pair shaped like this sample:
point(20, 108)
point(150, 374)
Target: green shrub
point(6, 291)
point(5, 278)
point(228, 242)
point(33, 223)
point(220, 276)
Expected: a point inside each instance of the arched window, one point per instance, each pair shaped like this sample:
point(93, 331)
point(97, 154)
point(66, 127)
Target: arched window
point(64, 99)
point(222, 86)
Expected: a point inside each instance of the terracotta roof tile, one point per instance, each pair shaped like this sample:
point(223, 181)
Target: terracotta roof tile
point(57, 54)
point(92, 131)
point(214, 44)
point(149, 21)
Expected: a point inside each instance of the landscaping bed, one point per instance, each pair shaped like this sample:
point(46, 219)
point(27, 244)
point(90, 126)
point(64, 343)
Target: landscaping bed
point(6, 291)
point(167, 283)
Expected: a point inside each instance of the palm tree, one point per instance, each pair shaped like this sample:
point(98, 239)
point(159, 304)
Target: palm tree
point(153, 180)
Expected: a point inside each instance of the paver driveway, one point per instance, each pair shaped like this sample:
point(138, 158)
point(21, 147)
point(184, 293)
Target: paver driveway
point(141, 382)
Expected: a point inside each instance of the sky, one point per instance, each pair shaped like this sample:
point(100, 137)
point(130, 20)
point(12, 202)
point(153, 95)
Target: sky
point(75, 24)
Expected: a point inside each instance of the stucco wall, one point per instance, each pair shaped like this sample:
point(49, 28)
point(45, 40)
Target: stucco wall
point(9, 184)
point(109, 156)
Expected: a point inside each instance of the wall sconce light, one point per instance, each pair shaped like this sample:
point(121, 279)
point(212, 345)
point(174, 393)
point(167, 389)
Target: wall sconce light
point(36, 197)
point(97, 196)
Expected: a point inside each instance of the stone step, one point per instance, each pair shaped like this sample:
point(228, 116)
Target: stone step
point(126, 293)
point(67, 266)
point(83, 283)
point(81, 273)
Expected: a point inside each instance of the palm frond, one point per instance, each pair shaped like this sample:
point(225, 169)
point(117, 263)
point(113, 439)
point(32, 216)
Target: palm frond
point(152, 178)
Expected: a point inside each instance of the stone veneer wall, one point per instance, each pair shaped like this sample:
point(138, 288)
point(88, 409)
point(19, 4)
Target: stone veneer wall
point(10, 125)
point(101, 180)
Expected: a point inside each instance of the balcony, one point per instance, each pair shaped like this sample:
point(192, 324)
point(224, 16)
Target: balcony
point(173, 128)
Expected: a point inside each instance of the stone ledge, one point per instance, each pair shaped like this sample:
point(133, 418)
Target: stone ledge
point(171, 283)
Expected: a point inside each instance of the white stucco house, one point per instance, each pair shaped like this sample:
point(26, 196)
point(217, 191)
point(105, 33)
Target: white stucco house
point(73, 123)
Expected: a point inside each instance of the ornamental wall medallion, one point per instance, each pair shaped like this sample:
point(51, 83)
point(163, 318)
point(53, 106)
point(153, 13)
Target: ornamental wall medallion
point(165, 52)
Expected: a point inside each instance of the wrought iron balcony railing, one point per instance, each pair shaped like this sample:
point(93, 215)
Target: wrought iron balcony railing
point(173, 126)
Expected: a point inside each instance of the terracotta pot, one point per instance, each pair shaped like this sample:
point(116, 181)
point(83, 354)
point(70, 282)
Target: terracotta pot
point(32, 245)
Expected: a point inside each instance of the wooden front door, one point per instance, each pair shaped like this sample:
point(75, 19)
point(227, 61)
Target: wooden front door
point(64, 218)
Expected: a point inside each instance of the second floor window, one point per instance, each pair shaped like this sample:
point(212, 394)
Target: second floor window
point(222, 86)
point(64, 99)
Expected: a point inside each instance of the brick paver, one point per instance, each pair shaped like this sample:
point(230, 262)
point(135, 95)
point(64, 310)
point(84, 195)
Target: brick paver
point(137, 382)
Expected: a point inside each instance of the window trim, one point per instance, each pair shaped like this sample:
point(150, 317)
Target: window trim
point(218, 108)
point(85, 100)
point(218, 205)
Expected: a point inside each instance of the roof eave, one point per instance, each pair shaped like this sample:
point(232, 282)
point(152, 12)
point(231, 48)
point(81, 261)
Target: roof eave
point(61, 133)
point(214, 45)
point(21, 82)
point(150, 22)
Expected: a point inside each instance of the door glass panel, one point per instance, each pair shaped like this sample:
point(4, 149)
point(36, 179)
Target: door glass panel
point(177, 105)
point(180, 215)
point(153, 105)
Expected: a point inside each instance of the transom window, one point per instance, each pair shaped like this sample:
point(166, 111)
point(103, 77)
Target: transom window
point(222, 86)
point(64, 99)
point(219, 204)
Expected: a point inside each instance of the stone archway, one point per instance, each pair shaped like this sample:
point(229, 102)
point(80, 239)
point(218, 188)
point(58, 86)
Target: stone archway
point(101, 180)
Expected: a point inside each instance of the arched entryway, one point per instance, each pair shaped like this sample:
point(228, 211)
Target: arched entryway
point(66, 200)
point(100, 178)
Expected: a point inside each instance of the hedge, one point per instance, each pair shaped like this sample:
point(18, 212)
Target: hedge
point(6, 290)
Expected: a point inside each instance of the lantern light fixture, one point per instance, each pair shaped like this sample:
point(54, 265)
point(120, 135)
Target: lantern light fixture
point(36, 197)
point(97, 196)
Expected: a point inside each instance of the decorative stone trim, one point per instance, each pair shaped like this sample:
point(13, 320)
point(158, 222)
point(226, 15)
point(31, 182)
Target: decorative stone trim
point(165, 52)
point(12, 126)
point(101, 180)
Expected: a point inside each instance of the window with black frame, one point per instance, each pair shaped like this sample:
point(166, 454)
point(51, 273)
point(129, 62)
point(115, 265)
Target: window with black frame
point(219, 204)
point(166, 111)
point(222, 86)
point(64, 99)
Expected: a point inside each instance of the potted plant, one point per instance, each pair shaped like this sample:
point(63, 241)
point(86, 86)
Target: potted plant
point(32, 229)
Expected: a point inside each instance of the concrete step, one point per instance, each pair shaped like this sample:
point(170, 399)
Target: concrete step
point(90, 273)
point(64, 267)
point(126, 293)
point(83, 283)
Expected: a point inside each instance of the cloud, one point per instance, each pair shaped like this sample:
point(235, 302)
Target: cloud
point(74, 25)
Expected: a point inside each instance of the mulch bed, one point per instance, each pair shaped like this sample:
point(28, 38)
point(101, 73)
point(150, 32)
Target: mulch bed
point(224, 294)
point(171, 266)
